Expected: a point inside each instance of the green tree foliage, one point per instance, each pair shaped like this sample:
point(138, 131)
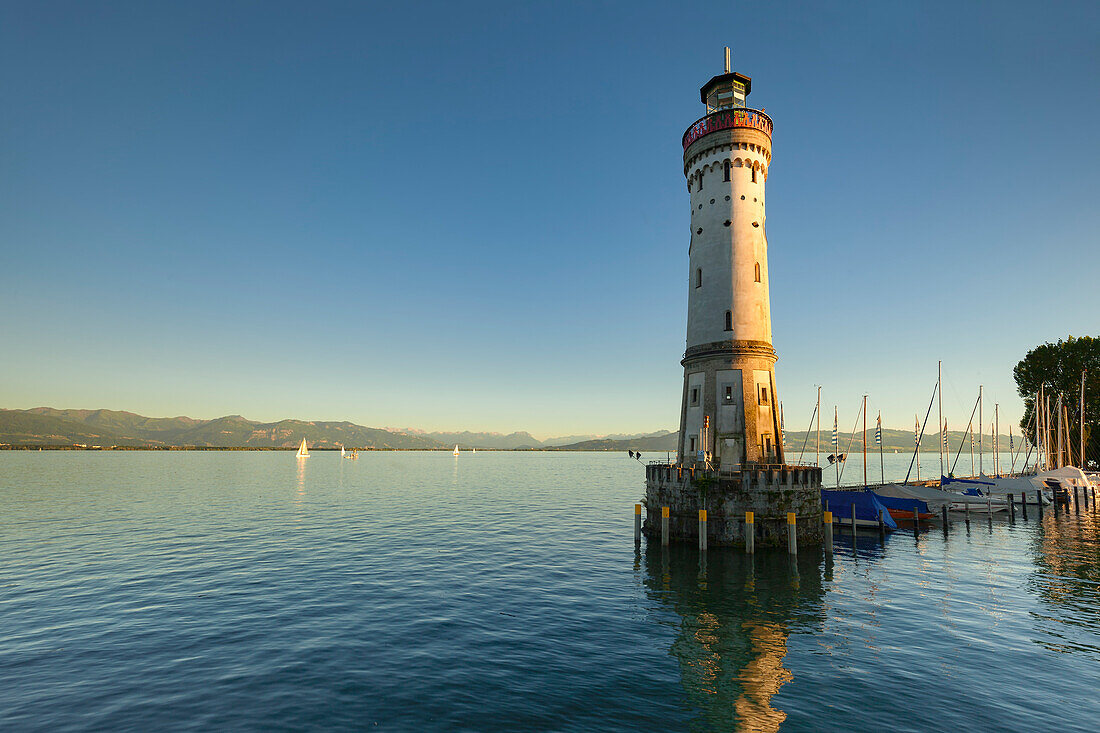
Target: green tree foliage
point(1058, 367)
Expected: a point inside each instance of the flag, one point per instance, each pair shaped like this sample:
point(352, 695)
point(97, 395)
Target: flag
point(916, 432)
point(878, 431)
point(836, 446)
point(945, 434)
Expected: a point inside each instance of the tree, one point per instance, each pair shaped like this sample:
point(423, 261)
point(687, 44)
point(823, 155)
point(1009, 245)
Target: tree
point(1058, 367)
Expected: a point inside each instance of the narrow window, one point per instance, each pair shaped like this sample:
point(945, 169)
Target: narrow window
point(729, 394)
point(695, 395)
point(757, 272)
point(763, 395)
point(699, 277)
point(726, 168)
point(691, 441)
point(701, 181)
point(753, 178)
point(729, 321)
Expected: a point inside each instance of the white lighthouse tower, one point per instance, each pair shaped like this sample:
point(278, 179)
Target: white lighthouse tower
point(730, 413)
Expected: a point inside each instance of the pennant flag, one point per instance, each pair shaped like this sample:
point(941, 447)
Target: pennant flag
point(835, 444)
point(878, 431)
point(945, 434)
point(916, 432)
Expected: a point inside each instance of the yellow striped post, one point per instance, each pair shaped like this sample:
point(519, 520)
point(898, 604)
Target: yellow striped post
point(792, 535)
point(637, 524)
point(664, 525)
point(750, 534)
point(828, 533)
point(703, 529)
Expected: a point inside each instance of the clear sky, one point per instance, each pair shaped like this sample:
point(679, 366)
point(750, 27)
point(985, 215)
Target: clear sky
point(473, 215)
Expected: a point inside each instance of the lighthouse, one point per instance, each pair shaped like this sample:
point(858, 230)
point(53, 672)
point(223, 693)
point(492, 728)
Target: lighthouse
point(730, 479)
point(730, 410)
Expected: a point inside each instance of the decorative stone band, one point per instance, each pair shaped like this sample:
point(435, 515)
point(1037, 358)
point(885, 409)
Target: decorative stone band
point(733, 347)
point(726, 119)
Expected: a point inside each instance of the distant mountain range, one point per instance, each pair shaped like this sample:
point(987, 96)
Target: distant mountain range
point(46, 426)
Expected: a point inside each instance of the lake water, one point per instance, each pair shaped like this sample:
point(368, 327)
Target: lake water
point(502, 591)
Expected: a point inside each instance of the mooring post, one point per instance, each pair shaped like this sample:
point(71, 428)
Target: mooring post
point(916, 517)
point(703, 530)
point(750, 534)
point(1039, 501)
point(1054, 493)
point(828, 533)
point(966, 505)
point(637, 524)
point(853, 523)
point(664, 525)
point(1011, 508)
point(792, 536)
point(1076, 501)
point(943, 510)
point(1023, 505)
point(881, 524)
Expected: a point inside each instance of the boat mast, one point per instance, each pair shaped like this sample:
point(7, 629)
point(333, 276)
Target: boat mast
point(939, 399)
point(981, 434)
point(864, 408)
point(1038, 429)
point(1058, 429)
point(817, 410)
point(878, 437)
point(996, 438)
point(836, 444)
point(916, 441)
point(1081, 428)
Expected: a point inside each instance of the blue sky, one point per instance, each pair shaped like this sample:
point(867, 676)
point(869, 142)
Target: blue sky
point(473, 215)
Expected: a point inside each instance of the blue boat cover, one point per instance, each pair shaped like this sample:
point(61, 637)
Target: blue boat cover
point(905, 505)
point(967, 486)
point(866, 502)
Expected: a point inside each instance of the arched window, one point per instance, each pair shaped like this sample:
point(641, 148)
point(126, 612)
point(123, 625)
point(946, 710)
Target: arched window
point(726, 168)
point(729, 321)
point(699, 277)
point(701, 181)
point(757, 272)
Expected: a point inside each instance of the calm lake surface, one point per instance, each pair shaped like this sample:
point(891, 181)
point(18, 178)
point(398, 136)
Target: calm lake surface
point(502, 591)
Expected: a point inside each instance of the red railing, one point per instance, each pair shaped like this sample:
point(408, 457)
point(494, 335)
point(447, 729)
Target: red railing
point(726, 119)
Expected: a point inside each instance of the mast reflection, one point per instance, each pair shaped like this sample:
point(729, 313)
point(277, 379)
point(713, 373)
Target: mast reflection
point(736, 614)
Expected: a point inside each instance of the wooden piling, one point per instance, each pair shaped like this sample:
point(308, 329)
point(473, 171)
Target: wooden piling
point(828, 533)
point(853, 523)
point(637, 524)
point(943, 511)
point(664, 525)
point(1011, 509)
point(1039, 501)
point(750, 534)
point(1023, 506)
point(1076, 501)
point(916, 517)
point(703, 530)
point(792, 535)
point(881, 525)
point(966, 505)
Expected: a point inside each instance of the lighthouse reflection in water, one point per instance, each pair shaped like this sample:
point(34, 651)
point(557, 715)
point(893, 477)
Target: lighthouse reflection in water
point(736, 613)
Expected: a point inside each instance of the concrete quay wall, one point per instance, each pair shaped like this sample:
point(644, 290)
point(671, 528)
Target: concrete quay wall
point(769, 493)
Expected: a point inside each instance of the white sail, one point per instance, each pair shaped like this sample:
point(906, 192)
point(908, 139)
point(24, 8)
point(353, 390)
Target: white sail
point(342, 453)
point(456, 449)
point(303, 451)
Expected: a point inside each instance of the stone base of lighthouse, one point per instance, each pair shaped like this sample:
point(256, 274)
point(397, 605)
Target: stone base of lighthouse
point(768, 492)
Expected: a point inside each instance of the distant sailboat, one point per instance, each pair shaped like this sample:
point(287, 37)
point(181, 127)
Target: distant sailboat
point(342, 453)
point(303, 452)
point(473, 450)
point(456, 449)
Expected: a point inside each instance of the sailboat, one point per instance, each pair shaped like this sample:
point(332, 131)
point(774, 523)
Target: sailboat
point(303, 452)
point(473, 450)
point(342, 453)
point(456, 449)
